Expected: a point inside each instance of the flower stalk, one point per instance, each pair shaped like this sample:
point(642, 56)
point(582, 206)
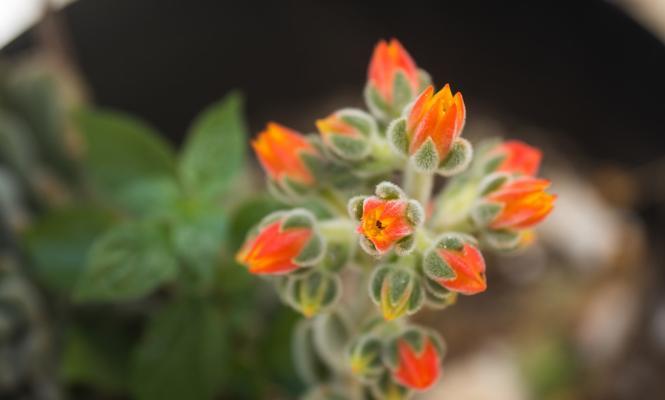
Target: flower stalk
point(408, 247)
point(418, 185)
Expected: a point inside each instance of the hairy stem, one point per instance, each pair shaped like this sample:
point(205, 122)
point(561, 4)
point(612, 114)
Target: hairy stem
point(335, 203)
point(418, 185)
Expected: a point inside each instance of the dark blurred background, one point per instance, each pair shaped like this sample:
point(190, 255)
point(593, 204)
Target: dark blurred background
point(583, 79)
point(583, 69)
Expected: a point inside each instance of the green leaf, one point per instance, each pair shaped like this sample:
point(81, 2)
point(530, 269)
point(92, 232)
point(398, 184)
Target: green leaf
point(426, 158)
point(458, 158)
point(398, 137)
point(127, 161)
point(59, 242)
point(183, 354)
point(127, 262)
point(402, 92)
point(97, 355)
point(332, 333)
point(215, 147)
point(198, 237)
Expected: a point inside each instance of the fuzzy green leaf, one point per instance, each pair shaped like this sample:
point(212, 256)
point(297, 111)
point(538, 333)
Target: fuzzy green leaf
point(504, 240)
point(415, 213)
point(298, 218)
point(402, 92)
point(312, 252)
point(182, 355)
point(127, 161)
point(125, 263)
point(349, 148)
point(435, 267)
point(389, 191)
point(492, 182)
point(376, 282)
point(198, 237)
point(405, 245)
point(355, 207)
point(307, 362)
point(58, 244)
point(458, 159)
point(426, 158)
point(375, 103)
point(359, 120)
point(397, 136)
point(484, 213)
point(331, 337)
point(215, 148)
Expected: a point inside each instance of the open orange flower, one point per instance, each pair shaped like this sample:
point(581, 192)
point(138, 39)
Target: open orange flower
point(384, 222)
point(519, 157)
point(439, 117)
point(279, 151)
point(389, 59)
point(273, 250)
point(417, 370)
point(524, 203)
point(469, 267)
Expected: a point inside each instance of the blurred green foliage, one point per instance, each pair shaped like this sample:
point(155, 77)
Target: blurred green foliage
point(131, 245)
point(551, 367)
point(58, 243)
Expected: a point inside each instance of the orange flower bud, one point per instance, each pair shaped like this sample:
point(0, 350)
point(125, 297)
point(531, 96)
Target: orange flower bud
point(333, 124)
point(439, 117)
point(384, 222)
point(518, 157)
point(389, 59)
point(455, 263)
point(469, 268)
point(279, 150)
point(348, 133)
point(417, 370)
point(524, 203)
point(285, 242)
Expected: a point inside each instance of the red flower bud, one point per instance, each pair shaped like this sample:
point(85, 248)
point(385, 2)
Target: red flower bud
point(279, 151)
point(282, 245)
point(469, 267)
point(417, 369)
point(524, 203)
point(519, 157)
point(456, 264)
point(389, 59)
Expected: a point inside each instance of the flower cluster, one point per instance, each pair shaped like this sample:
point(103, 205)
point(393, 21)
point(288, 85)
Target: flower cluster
point(351, 224)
